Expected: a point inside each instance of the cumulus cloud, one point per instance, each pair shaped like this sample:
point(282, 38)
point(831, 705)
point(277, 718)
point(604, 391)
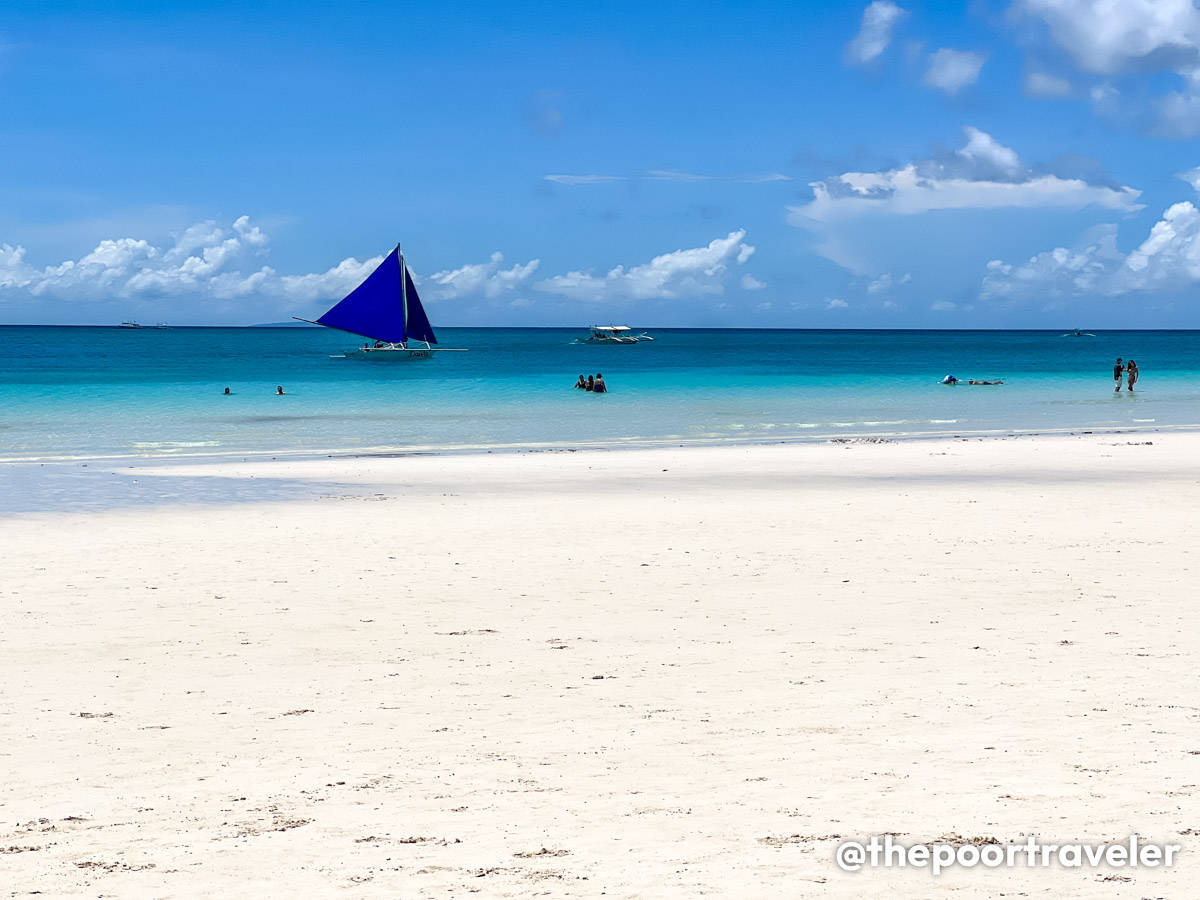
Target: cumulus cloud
point(875, 32)
point(330, 285)
point(481, 280)
point(983, 174)
point(886, 282)
point(1167, 258)
point(1056, 272)
point(1041, 84)
point(943, 306)
point(206, 258)
point(835, 303)
point(212, 261)
point(1104, 37)
point(1136, 38)
point(695, 272)
point(952, 70)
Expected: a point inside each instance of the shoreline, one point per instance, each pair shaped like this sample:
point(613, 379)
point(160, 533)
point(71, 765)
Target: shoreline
point(185, 456)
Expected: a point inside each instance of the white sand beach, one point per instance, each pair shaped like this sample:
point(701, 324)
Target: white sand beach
point(659, 673)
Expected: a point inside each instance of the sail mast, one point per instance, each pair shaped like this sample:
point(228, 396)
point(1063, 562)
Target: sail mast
point(403, 290)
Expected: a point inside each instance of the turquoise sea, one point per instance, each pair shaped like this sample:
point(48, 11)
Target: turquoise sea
point(71, 393)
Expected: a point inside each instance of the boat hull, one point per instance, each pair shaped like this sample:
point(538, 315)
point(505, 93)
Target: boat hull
point(633, 339)
point(389, 354)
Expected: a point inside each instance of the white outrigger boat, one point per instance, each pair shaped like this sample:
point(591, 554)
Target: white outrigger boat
point(387, 309)
point(613, 334)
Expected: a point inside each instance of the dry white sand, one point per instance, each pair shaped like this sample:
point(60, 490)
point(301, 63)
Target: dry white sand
point(652, 673)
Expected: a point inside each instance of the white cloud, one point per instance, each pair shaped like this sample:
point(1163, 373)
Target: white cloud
point(1192, 177)
point(952, 70)
point(205, 258)
point(1041, 84)
point(212, 262)
point(1056, 272)
point(943, 306)
point(875, 33)
point(693, 272)
point(484, 279)
point(209, 261)
point(886, 282)
point(990, 158)
point(835, 303)
point(761, 179)
point(330, 285)
point(1109, 36)
point(984, 174)
point(675, 175)
point(1131, 37)
point(583, 179)
point(1167, 258)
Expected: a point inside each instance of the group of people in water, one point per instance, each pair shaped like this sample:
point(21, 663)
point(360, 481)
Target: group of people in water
point(1123, 373)
point(1129, 370)
point(279, 391)
point(592, 383)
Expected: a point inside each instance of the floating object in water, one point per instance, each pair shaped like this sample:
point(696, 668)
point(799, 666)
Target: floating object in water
point(613, 334)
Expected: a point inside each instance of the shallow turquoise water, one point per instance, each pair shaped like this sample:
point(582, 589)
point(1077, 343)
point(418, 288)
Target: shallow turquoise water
point(88, 392)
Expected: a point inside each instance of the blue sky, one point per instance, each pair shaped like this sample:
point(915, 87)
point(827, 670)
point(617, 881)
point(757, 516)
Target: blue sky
point(753, 164)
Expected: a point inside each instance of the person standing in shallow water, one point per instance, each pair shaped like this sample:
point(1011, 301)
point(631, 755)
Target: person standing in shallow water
point(591, 383)
point(1131, 370)
point(1118, 368)
point(599, 387)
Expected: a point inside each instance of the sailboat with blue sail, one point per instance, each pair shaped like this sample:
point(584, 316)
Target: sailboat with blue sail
point(386, 309)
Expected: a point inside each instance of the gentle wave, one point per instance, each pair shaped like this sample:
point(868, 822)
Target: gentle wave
point(172, 445)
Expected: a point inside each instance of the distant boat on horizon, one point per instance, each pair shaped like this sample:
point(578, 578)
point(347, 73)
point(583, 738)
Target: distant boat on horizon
point(129, 325)
point(613, 334)
point(386, 309)
point(1077, 333)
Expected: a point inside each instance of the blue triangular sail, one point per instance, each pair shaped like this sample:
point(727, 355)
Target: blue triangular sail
point(418, 325)
point(374, 309)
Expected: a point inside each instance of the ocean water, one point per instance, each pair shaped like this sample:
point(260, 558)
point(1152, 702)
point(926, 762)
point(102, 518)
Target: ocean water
point(81, 393)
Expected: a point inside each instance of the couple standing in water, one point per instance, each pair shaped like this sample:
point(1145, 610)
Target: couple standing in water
point(1129, 369)
point(594, 383)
